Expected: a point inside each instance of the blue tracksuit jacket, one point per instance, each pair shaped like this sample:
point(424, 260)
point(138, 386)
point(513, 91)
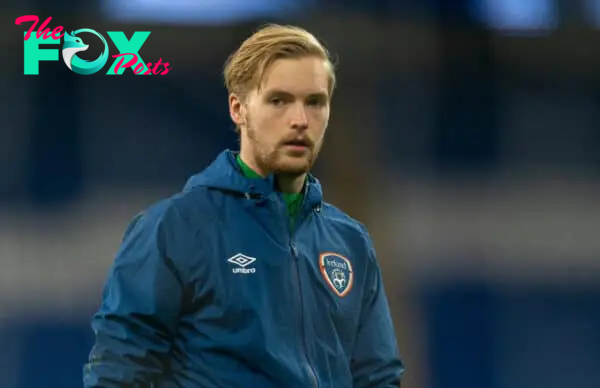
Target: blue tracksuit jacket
point(212, 288)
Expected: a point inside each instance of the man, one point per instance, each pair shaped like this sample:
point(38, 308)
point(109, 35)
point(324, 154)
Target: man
point(247, 278)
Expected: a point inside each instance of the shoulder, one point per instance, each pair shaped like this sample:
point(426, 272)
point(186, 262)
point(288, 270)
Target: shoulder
point(175, 220)
point(181, 207)
point(171, 229)
point(348, 225)
point(342, 219)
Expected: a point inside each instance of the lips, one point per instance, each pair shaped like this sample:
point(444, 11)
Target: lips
point(298, 143)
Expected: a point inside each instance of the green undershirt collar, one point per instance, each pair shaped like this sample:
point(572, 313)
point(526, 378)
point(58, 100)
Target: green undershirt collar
point(292, 200)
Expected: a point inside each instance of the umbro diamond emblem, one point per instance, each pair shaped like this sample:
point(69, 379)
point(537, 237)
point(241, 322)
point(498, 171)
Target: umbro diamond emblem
point(242, 262)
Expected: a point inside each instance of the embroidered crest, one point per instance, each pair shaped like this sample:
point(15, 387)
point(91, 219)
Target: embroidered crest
point(337, 272)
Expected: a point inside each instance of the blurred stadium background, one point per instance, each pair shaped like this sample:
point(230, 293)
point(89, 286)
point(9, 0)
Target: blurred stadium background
point(465, 134)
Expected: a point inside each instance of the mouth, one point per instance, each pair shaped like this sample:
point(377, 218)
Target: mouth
point(297, 145)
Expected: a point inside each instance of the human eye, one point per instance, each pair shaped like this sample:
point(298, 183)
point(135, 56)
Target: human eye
point(315, 102)
point(277, 101)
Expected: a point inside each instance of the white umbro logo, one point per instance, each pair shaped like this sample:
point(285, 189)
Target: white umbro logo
point(242, 261)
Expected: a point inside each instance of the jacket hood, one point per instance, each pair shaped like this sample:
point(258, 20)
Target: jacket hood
point(225, 174)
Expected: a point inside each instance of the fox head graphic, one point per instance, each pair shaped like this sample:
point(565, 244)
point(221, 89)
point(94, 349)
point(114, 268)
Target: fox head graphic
point(72, 46)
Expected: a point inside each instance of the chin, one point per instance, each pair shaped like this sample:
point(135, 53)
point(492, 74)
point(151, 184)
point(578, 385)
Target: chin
point(292, 167)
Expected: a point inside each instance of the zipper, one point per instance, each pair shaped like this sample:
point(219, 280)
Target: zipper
point(310, 368)
point(294, 253)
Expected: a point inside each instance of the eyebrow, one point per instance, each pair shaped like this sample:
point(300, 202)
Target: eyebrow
point(280, 92)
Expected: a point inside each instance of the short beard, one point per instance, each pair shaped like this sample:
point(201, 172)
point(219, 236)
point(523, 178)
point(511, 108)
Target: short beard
point(270, 162)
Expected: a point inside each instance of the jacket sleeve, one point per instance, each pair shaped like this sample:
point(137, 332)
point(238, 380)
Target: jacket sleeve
point(376, 361)
point(139, 312)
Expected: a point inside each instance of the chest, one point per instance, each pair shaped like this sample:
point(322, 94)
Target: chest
point(263, 273)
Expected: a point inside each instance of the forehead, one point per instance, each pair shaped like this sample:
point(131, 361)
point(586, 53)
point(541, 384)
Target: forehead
point(298, 76)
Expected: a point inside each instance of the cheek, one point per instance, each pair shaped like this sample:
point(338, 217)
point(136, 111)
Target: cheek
point(320, 122)
point(266, 131)
point(263, 118)
point(273, 127)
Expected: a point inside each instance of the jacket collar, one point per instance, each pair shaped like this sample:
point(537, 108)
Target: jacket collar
point(224, 173)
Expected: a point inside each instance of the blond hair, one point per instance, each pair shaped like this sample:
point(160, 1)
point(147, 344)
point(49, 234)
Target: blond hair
point(245, 68)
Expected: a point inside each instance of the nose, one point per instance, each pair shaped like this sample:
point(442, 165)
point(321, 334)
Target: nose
point(299, 117)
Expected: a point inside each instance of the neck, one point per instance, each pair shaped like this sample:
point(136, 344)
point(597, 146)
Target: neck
point(250, 162)
point(290, 183)
point(286, 183)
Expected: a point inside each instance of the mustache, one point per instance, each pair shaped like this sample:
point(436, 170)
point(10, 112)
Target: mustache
point(302, 141)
